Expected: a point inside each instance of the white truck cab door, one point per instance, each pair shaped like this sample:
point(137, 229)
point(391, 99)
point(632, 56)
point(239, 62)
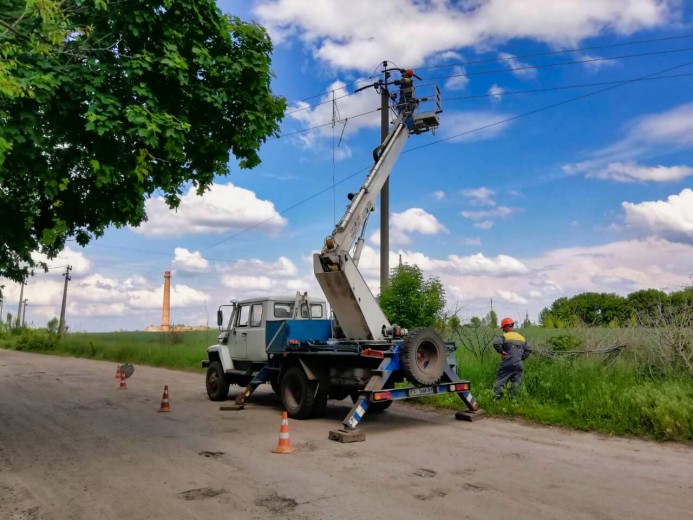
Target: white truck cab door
point(247, 338)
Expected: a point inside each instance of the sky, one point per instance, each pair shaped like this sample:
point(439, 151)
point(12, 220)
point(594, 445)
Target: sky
point(562, 165)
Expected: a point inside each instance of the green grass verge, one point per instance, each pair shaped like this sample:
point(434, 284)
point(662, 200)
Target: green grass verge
point(581, 393)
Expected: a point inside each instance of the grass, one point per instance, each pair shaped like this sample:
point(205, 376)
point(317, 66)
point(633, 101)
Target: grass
point(584, 393)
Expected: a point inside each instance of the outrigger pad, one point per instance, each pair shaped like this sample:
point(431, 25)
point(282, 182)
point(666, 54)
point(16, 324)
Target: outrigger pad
point(469, 415)
point(347, 435)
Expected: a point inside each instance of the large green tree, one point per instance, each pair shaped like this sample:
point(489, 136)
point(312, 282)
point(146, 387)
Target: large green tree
point(102, 103)
point(411, 301)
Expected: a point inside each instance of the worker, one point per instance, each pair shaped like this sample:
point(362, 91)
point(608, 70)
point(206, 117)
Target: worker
point(406, 90)
point(513, 349)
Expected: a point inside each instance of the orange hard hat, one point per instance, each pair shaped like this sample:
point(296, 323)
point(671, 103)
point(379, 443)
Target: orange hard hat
point(507, 322)
point(409, 73)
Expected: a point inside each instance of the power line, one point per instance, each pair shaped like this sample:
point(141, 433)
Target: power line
point(525, 114)
point(512, 69)
point(554, 105)
point(563, 87)
point(521, 56)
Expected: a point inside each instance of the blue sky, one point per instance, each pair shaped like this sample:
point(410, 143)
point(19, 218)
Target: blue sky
point(570, 190)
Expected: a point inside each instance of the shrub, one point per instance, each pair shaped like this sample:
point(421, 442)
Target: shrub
point(564, 342)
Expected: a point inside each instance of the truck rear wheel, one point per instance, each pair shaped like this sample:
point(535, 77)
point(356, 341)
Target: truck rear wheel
point(423, 357)
point(298, 394)
point(217, 382)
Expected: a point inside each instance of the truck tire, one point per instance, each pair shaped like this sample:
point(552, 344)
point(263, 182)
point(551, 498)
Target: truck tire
point(423, 356)
point(298, 394)
point(217, 382)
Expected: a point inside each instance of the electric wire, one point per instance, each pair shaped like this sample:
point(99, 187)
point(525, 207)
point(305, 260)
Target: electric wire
point(522, 56)
point(512, 69)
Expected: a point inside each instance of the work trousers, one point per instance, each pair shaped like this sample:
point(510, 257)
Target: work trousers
point(508, 374)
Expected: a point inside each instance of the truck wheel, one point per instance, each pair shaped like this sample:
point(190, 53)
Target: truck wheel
point(298, 394)
point(217, 382)
point(423, 356)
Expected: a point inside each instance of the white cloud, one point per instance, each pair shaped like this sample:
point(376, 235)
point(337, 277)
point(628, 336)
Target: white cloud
point(348, 107)
point(511, 297)
point(188, 261)
point(497, 212)
point(672, 219)
point(496, 93)
point(458, 79)
point(413, 220)
point(480, 196)
point(519, 69)
point(439, 195)
point(596, 62)
point(471, 241)
point(75, 259)
point(354, 38)
point(630, 172)
point(652, 133)
point(223, 208)
point(484, 224)
point(473, 125)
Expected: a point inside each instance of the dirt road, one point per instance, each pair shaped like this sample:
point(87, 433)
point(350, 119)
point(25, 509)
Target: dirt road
point(74, 446)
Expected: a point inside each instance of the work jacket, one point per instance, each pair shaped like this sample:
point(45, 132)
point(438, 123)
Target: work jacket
point(515, 345)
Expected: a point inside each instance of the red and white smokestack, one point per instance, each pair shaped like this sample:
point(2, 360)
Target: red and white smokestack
point(166, 311)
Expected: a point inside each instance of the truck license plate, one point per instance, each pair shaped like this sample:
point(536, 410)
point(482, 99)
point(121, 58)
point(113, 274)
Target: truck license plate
point(426, 390)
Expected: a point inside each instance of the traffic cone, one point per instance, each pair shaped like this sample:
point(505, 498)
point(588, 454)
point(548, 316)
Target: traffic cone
point(165, 407)
point(117, 376)
point(123, 385)
point(284, 445)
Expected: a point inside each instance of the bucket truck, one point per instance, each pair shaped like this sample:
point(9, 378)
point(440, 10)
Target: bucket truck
point(308, 357)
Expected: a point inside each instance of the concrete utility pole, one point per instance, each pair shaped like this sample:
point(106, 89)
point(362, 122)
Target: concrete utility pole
point(2, 300)
point(385, 191)
point(61, 325)
point(26, 302)
point(21, 300)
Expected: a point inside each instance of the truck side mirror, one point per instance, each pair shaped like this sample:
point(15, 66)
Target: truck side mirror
point(220, 318)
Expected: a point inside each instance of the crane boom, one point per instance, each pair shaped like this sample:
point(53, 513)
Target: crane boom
point(352, 301)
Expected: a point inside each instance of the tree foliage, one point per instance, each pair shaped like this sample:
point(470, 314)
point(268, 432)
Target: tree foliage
point(102, 103)
point(602, 309)
point(409, 300)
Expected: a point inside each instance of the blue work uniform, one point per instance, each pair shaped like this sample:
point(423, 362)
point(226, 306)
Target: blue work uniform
point(510, 370)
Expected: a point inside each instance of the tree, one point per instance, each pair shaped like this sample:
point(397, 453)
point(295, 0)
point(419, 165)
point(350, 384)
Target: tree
point(53, 325)
point(492, 319)
point(105, 103)
point(410, 301)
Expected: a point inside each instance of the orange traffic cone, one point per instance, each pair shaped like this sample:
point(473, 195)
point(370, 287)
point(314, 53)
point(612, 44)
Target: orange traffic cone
point(284, 445)
point(117, 376)
point(165, 407)
point(123, 385)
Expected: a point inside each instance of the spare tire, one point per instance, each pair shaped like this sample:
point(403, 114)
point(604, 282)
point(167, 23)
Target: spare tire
point(423, 356)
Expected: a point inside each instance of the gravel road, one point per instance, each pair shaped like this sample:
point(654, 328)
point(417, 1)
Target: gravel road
point(75, 446)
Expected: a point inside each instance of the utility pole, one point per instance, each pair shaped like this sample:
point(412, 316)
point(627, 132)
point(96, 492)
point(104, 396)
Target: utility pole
point(385, 191)
point(26, 302)
point(21, 300)
point(61, 325)
point(2, 300)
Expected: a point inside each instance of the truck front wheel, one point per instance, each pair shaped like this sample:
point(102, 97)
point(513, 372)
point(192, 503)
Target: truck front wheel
point(217, 382)
point(298, 394)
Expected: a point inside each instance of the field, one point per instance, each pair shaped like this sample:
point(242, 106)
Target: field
point(612, 381)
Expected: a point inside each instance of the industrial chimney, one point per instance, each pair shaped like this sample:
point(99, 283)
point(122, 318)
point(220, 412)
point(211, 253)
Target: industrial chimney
point(166, 311)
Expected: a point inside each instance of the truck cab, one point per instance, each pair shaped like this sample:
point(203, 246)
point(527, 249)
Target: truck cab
point(252, 330)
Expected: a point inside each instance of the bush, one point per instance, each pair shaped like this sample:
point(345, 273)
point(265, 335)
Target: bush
point(564, 342)
point(36, 341)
